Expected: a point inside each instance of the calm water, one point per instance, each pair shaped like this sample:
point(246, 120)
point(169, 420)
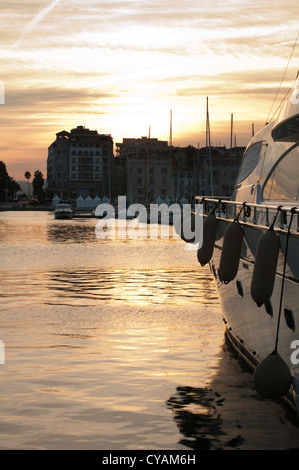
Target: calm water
point(119, 344)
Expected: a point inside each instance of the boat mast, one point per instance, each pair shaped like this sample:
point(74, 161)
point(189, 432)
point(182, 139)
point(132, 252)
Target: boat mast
point(231, 151)
point(208, 146)
point(174, 164)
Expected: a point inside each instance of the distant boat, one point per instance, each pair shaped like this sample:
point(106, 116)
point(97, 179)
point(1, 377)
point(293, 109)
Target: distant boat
point(63, 211)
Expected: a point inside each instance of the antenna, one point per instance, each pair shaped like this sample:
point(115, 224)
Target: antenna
point(282, 80)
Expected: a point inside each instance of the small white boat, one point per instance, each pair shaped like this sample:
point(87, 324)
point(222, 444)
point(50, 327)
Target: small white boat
point(63, 211)
point(251, 243)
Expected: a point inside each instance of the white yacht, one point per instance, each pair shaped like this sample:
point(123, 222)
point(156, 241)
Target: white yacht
point(251, 243)
point(63, 211)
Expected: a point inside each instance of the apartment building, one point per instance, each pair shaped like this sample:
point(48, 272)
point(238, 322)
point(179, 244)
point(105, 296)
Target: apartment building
point(148, 167)
point(221, 166)
point(80, 162)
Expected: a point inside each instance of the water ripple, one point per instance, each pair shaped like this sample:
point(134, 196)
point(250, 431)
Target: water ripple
point(138, 286)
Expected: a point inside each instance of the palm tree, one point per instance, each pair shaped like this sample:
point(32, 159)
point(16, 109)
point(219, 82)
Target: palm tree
point(28, 176)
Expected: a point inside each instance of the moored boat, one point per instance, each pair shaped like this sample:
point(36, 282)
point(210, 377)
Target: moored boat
point(254, 255)
point(63, 211)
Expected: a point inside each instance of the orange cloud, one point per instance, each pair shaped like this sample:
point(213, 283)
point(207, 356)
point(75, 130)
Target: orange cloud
point(119, 66)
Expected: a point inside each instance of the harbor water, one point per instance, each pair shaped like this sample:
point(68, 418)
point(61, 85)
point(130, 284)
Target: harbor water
point(119, 344)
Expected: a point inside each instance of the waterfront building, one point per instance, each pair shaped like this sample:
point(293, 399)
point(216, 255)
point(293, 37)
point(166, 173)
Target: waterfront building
point(189, 173)
point(80, 163)
point(148, 168)
point(58, 163)
point(220, 167)
point(147, 163)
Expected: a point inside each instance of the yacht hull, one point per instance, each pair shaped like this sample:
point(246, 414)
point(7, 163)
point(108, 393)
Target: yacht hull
point(259, 295)
point(252, 329)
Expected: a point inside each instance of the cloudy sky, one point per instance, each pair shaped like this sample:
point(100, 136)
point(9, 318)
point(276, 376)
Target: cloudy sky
point(119, 66)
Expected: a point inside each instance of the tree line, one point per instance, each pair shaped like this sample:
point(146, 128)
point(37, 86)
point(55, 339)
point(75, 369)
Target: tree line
point(37, 184)
point(9, 187)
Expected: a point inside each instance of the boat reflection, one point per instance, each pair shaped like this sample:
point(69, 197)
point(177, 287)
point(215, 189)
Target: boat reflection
point(195, 413)
point(64, 232)
point(223, 414)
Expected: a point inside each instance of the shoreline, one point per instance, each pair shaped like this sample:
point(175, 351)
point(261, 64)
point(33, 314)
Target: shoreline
point(26, 208)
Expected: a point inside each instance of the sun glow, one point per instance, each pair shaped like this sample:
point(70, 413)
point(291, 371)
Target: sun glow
point(120, 67)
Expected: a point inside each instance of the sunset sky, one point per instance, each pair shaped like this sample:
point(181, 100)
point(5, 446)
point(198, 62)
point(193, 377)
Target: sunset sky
point(119, 66)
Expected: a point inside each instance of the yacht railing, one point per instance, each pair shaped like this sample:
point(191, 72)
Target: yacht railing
point(257, 214)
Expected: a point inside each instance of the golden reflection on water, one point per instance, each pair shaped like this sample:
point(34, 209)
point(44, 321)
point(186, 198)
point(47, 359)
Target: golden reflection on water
point(116, 345)
point(41, 228)
point(91, 287)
